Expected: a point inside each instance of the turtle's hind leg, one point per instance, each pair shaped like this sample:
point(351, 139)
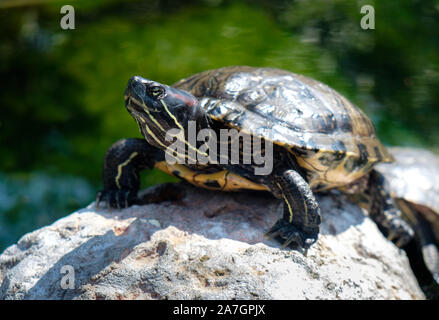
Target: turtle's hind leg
point(427, 253)
point(385, 213)
point(299, 226)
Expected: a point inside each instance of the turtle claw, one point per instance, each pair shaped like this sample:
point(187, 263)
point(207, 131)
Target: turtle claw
point(294, 238)
point(399, 232)
point(118, 199)
point(290, 235)
point(270, 234)
point(98, 199)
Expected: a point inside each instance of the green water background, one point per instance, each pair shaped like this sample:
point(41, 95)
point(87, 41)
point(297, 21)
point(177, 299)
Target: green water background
point(61, 93)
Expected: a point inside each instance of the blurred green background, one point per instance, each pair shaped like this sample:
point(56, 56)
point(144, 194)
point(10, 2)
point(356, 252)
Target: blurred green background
point(61, 93)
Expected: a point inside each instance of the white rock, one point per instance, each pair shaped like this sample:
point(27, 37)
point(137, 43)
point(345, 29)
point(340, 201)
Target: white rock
point(207, 246)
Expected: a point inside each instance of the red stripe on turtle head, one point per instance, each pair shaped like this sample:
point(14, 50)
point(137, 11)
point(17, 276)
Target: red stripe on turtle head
point(188, 100)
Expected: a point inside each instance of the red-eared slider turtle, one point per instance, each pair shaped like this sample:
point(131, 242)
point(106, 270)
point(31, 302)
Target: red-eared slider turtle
point(414, 183)
point(320, 141)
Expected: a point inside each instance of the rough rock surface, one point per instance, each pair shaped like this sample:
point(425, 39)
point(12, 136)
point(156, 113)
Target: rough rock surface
point(205, 246)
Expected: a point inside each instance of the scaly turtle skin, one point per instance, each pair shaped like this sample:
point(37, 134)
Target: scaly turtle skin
point(320, 141)
point(414, 183)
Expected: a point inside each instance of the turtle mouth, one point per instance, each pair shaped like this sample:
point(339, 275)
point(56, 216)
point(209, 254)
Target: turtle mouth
point(134, 105)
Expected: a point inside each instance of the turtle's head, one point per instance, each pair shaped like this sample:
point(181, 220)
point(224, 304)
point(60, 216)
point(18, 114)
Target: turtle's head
point(158, 108)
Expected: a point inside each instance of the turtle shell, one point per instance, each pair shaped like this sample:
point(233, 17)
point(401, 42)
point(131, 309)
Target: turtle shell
point(334, 141)
point(414, 177)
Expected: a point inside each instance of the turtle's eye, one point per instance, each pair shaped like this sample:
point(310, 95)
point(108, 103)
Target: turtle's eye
point(157, 92)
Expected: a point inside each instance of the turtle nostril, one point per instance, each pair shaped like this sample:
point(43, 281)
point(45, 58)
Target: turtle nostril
point(136, 85)
point(136, 79)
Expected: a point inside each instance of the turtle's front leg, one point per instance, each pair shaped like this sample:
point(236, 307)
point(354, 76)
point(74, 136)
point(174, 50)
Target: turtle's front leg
point(384, 211)
point(299, 226)
point(122, 166)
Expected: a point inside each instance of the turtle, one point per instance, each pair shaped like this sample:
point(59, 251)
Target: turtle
point(414, 184)
point(315, 138)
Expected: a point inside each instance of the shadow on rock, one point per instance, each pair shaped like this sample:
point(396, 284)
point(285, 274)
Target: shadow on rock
point(87, 260)
point(242, 216)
